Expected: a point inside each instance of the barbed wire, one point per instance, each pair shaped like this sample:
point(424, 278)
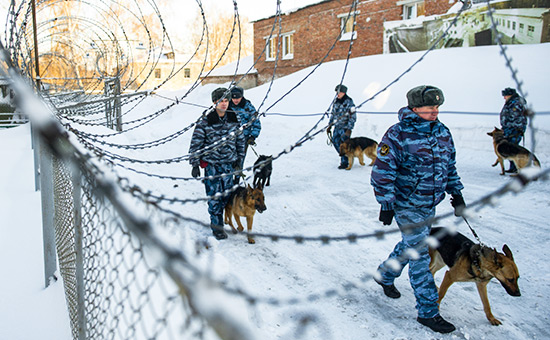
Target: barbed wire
point(306, 137)
point(515, 185)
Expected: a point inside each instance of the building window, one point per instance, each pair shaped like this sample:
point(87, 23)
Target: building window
point(347, 27)
point(270, 49)
point(288, 46)
point(187, 73)
point(514, 25)
point(530, 30)
point(411, 8)
point(521, 28)
point(157, 73)
point(507, 23)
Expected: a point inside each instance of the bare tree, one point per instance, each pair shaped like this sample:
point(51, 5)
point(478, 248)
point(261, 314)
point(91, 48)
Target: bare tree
point(221, 37)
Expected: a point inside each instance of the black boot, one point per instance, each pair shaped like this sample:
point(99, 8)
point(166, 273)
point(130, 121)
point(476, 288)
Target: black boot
point(513, 169)
point(437, 324)
point(342, 166)
point(389, 290)
point(218, 232)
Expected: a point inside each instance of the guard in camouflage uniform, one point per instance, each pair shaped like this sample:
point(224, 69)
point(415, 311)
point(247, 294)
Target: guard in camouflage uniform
point(513, 119)
point(246, 112)
point(220, 157)
point(415, 166)
point(343, 118)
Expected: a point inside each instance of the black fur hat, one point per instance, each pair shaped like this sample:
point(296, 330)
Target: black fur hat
point(219, 93)
point(341, 88)
point(425, 95)
point(509, 92)
point(237, 92)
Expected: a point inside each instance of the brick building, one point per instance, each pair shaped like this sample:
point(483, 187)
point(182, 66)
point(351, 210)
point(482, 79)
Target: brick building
point(308, 33)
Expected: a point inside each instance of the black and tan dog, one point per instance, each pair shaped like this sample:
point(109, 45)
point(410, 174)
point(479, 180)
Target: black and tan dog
point(357, 147)
point(262, 171)
point(468, 262)
point(243, 203)
point(512, 152)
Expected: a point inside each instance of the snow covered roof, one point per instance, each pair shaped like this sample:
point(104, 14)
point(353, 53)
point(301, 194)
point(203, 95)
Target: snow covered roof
point(228, 70)
point(523, 12)
point(295, 9)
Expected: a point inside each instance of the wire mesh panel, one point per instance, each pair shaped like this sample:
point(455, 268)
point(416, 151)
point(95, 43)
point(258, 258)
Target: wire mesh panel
point(125, 296)
point(65, 236)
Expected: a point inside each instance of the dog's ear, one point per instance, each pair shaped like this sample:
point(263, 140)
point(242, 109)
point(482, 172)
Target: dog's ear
point(507, 252)
point(496, 258)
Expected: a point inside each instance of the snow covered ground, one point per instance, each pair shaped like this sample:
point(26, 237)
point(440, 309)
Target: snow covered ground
point(309, 196)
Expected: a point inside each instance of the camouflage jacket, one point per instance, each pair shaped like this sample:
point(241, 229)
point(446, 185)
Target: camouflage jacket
point(415, 164)
point(247, 112)
point(512, 116)
point(341, 117)
point(209, 131)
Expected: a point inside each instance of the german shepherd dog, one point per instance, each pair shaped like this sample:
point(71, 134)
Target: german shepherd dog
point(473, 262)
point(513, 152)
point(357, 147)
point(244, 202)
point(262, 171)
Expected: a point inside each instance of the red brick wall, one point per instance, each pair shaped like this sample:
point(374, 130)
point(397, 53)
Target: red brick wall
point(437, 6)
point(316, 29)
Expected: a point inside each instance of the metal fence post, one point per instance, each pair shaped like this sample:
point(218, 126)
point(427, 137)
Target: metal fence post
point(35, 145)
point(79, 255)
point(48, 211)
point(118, 109)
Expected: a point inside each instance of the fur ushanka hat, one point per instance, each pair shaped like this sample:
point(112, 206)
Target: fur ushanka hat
point(220, 93)
point(341, 88)
point(425, 95)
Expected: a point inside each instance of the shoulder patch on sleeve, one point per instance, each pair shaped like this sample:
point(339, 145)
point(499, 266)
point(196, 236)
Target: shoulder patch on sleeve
point(384, 149)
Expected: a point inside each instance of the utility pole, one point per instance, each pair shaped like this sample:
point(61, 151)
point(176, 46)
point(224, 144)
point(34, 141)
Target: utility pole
point(36, 61)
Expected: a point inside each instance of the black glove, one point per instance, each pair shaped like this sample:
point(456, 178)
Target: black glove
point(329, 130)
point(348, 133)
point(386, 216)
point(196, 171)
point(251, 141)
point(457, 201)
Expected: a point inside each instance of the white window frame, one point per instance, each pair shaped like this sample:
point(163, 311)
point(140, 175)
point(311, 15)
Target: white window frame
point(521, 27)
point(530, 30)
point(270, 49)
point(348, 35)
point(288, 52)
point(411, 5)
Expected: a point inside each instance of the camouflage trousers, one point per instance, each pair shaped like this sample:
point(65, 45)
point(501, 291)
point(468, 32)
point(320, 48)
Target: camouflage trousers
point(420, 277)
point(216, 185)
point(513, 135)
point(338, 137)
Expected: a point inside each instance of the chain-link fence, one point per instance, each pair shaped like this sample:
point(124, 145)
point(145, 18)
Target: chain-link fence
point(113, 291)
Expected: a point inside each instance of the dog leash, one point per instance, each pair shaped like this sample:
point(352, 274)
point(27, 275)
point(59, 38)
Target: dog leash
point(254, 151)
point(473, 231)
point(329, 138)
